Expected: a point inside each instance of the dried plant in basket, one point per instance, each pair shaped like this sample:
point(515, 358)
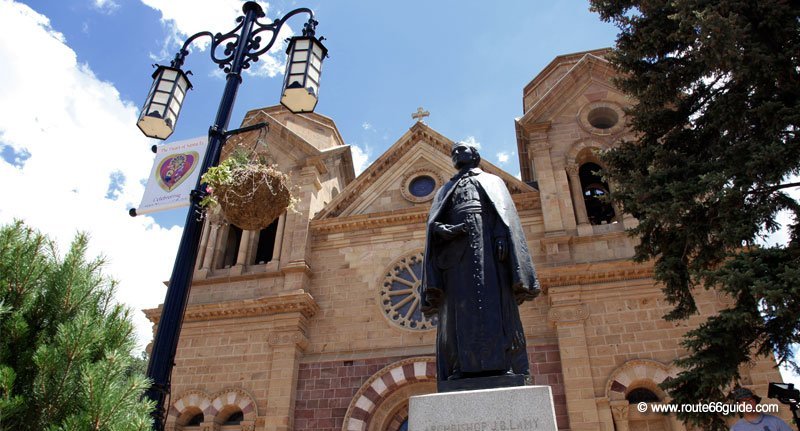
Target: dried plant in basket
point(251, 192)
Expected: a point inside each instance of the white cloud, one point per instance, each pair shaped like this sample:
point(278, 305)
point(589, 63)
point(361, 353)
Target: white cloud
point(502, 157)
point(360, 158)
point(78, 143)
point(472, 141)
point(367, 126)
point(105, 6)
point(184, 18)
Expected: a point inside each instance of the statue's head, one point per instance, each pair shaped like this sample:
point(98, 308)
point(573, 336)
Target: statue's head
point(465, 155)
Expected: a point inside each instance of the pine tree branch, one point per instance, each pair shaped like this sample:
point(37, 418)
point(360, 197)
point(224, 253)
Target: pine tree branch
point(774, 188)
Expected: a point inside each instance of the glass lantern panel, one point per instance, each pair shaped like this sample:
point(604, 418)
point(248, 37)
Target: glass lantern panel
point(165, 86)
point(175, 106)
point(170, 74)
point(297, 68)
point(178, 95)
point(156, 109)
point(316, 62)
point(301, 44)
point(295, 78)
point(152, 89)
point(161, 98)
point(300, 56)
point(317, 51)
point(183, 83)
point(313, 74)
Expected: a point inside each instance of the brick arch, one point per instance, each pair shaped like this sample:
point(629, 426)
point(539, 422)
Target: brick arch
point(637, 373)
point(233, 398)
point(193, 399)
point(391, 385)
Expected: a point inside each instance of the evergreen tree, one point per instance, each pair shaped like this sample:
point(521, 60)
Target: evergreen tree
point(717, 90)
point(65, 347)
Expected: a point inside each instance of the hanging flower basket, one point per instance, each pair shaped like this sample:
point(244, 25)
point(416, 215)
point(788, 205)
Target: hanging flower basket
point(250, 192)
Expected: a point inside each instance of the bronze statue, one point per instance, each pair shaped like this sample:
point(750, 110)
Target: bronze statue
point(477, 270)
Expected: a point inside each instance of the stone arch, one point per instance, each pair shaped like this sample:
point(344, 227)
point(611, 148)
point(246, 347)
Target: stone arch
point(232, 399)
point(188, 402)
point(383, 399)
point(585, 187)
point(637, 373)
point(584, 150)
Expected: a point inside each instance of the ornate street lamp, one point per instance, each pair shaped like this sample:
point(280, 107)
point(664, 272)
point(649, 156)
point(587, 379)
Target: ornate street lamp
point(163, 104)
point(242, 46)
point(303, 68)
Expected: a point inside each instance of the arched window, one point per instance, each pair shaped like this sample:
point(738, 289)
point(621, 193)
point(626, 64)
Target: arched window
point(230, 421)
point(190, 420)
point(641, 395)
point(595, 190)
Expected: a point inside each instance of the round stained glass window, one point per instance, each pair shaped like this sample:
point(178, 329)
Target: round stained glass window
point(400, 294)
point(422, 186)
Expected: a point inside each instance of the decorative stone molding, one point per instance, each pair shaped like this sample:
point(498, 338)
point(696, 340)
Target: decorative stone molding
point(556, 277)
point(192, 399)
point(619, 410)
point(236, 398)
point(296, 301)
point(536, 131)
point(586, 111)
point(403, 217)
point(384, 383)
point(572, 169)
point(583, 151)
point(405, 188)
point(288, 338)
point(567, 313)
point(637, 373)
point(524, 200)
point(539, 142)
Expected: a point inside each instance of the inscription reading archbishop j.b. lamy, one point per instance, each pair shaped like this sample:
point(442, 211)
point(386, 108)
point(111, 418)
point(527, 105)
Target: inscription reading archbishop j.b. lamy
point(496, 425)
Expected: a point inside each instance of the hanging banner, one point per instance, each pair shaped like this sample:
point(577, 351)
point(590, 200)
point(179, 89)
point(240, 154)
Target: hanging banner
point(174, 175)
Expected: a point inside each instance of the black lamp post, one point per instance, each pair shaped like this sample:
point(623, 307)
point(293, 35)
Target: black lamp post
point(242, 45)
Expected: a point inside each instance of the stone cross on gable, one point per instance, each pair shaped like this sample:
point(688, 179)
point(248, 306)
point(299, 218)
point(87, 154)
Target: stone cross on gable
point(420, 114)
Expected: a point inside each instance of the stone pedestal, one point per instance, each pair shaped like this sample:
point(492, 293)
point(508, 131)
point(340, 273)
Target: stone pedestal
point(501, 409)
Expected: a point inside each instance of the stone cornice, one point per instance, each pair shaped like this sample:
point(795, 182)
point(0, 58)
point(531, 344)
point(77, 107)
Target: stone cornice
point(368, 221)
point(405, 216)
point(592, 273)
point(288, 302)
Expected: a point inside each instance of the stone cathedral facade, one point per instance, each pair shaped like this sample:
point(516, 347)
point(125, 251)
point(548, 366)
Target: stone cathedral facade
point(314, 323)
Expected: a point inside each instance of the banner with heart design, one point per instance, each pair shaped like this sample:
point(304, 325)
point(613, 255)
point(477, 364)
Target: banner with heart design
point(175, 168)
point(174, 175)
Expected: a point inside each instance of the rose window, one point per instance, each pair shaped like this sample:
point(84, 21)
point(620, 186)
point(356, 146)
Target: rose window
point(400, 294)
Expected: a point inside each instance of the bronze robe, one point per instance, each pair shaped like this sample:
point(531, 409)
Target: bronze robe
point(479, 330)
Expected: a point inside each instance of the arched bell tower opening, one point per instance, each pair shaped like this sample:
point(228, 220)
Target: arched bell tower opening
point(595, 193)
